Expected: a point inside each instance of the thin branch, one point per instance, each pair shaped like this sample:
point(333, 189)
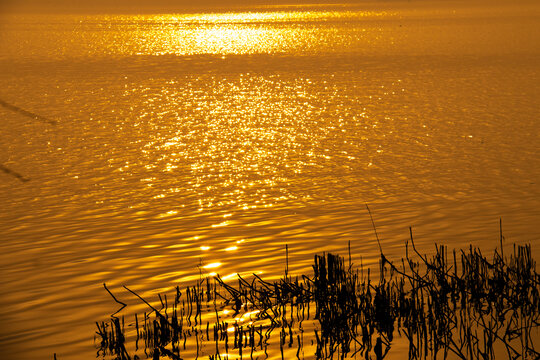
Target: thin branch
point(115, 299)
point(13, 173)
point(374, 229)
point(27, 113)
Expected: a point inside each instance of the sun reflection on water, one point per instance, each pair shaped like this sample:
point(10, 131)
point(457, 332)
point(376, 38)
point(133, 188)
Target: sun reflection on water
point(212, 265)
point(179, 132)
point(234, 146)
point(230, 33)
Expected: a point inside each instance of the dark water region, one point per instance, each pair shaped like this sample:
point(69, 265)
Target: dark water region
point(342, 311)
point(196, 144)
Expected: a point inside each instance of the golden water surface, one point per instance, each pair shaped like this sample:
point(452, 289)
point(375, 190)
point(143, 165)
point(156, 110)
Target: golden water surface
point(210, 140)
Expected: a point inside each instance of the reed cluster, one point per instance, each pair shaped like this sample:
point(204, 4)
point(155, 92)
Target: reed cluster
point(458, 305)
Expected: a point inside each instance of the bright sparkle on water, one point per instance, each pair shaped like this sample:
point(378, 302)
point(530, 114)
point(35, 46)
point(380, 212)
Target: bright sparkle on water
point(192, 144)
point(234, 33)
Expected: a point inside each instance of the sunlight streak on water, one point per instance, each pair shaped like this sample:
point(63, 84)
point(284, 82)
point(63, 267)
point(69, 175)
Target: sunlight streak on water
point(196, 144)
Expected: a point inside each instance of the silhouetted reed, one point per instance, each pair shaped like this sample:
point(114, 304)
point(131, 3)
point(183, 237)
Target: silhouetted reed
point(26, 113)
point(13, 173)
point(31, 115)
point(458, 305)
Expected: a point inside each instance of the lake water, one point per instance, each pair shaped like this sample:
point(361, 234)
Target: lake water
point(215, 138)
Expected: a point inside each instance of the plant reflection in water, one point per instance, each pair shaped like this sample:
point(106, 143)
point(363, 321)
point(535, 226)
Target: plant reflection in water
point(458, 306)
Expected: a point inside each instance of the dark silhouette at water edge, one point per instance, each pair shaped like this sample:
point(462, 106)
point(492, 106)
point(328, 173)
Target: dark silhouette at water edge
point(458, 305)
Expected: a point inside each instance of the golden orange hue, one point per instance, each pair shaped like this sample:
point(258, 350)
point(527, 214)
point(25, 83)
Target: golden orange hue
point(184, 146)
point(235, 33)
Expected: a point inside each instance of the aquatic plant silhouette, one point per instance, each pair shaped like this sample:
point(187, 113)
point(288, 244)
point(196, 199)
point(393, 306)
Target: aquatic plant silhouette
point(31, 115)
point(26, 113)
point(13, 173)
point(457, 306)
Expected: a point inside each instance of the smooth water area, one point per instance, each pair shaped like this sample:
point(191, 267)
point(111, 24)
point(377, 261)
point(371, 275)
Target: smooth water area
point(209, 140)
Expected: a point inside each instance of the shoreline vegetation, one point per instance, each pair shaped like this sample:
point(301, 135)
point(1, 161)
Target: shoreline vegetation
point(457, 305)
